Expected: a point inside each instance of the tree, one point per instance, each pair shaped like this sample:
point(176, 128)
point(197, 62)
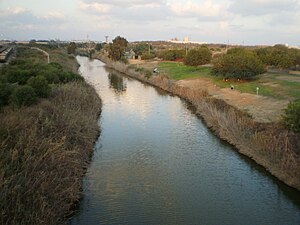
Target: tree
point(71, 48)
point(117, 48)
point(291, 118)
point(99, 46)
point(32, 42)
point(141, 48)
point(196, 57)
point(239, 64)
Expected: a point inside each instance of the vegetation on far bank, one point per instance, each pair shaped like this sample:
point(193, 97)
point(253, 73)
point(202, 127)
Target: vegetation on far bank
point(45, 147)
point(269, 144)
point(23, 81)
point(283, 86)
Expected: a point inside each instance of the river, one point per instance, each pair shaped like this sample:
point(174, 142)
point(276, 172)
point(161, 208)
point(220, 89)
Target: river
point(155, 162)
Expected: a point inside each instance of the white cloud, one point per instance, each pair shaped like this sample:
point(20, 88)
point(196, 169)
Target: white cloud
point(54, 15)
point(263, 7)
point(191, 9)
point(142, 11)
point(126, 3)
point(13, 11)
point(95, 7)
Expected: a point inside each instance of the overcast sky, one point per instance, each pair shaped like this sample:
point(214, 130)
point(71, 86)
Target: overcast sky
point(213, 21)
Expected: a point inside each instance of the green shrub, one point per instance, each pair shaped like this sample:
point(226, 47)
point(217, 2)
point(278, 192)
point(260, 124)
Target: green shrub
point(196, 57)
point(172, 55)
point(51, 76)
point(18, 76)
point(5, 92)
point(291, 118)
point(40, 86)
point(66, 77)
point(146, 56)
point(279, 56)
point(238, 64)
point(24, 96)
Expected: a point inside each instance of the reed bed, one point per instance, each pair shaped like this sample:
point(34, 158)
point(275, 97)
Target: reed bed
point(45, 150)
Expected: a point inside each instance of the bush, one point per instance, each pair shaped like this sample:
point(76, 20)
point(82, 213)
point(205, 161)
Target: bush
point(198, 57)
point(66, 77)
point(238, 64)
point(172, 55)
point(279, 56)
point(18, 76)
point(40, 86)
point(291, 118)
point(146, 56)
point(24, 96)
point(5, 92)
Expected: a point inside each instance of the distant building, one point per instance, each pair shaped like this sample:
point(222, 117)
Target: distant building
point(130, 54)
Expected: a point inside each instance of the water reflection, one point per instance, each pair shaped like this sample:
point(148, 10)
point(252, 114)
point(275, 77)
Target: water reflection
point(117, 82)
point(158, 164)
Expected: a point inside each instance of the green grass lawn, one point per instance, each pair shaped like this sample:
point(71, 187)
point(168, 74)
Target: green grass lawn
point(179, 71)
point(281, 86)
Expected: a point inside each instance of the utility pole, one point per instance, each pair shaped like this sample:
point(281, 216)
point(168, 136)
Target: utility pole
point(186, 50)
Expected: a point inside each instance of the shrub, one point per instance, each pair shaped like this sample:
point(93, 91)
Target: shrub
point(66, 77)
point(147, 56)
point(279, 56)
point(198, 57)
point(40, 86)
point(172, 55)
point(18, 76)
point(24, 96)
point(238, 64)
point(5, 92)
point(291, 118)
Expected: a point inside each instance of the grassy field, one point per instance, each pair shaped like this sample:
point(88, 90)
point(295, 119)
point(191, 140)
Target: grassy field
point(179, 71)
point(281, 86)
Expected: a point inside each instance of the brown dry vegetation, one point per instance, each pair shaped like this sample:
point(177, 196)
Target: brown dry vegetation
point(45, 150)
point(269, 144)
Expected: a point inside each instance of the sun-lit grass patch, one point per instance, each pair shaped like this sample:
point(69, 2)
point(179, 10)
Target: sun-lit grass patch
point(269, 84)
point(179, 71)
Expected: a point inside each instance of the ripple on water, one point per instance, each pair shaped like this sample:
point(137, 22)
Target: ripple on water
point(158, 164)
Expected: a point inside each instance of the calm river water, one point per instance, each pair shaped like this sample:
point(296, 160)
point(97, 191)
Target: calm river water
point(156, 163)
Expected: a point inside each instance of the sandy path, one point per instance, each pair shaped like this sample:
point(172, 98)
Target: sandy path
point(262, 109)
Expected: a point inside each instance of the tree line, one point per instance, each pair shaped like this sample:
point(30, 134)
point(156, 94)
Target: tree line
point(236, 63)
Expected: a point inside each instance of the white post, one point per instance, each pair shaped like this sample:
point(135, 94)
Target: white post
point(257, 88)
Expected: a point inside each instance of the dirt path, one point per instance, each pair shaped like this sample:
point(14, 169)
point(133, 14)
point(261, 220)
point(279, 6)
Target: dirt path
point(262, 109)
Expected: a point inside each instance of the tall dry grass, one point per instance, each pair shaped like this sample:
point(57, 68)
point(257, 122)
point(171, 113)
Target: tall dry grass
point(270, 145)
point(45, 150)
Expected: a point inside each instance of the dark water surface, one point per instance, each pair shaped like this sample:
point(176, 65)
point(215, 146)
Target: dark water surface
point(156, 163)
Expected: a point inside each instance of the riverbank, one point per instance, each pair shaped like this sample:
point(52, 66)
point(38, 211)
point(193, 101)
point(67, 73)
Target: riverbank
point(45, 150)
point(269, 144)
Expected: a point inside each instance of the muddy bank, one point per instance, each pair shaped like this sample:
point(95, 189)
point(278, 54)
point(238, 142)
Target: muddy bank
point(268, 144)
